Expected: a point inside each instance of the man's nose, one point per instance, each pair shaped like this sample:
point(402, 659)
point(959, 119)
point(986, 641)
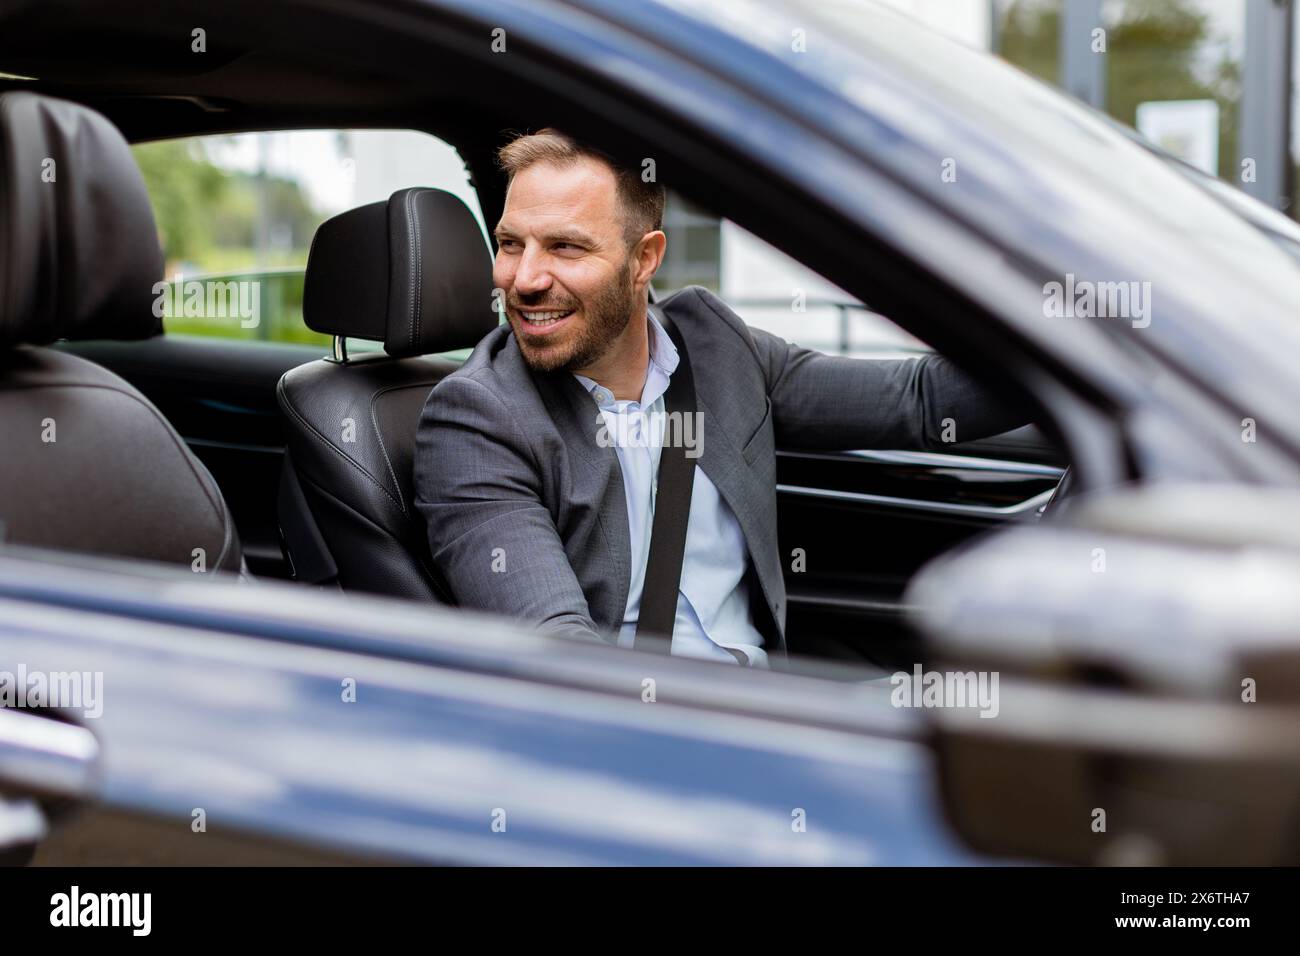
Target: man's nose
point(532, 276)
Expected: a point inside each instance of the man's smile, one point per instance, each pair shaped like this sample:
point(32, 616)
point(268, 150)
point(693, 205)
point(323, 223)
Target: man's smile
point(539, 322)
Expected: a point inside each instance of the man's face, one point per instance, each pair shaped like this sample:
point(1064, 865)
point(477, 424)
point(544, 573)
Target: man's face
point(563, 264)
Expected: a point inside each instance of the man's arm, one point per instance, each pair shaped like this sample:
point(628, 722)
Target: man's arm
point(824, 401)
point(477, 485)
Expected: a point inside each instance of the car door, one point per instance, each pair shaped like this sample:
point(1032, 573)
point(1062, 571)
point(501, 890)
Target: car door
point(273, 724)
point(276, 726)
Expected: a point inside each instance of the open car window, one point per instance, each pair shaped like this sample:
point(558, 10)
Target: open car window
point(236, 215)
point(770, 290)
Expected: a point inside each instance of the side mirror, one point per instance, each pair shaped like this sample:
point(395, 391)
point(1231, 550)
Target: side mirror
point(1147, 662)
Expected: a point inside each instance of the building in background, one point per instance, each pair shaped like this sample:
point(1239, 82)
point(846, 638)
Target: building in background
point(1208, 80)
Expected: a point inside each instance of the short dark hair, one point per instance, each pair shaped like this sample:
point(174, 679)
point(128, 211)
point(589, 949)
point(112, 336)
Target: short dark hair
point(643, 202)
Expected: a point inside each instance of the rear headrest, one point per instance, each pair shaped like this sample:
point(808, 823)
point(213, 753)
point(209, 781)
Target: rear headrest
point(79, 251)
point(413, 272)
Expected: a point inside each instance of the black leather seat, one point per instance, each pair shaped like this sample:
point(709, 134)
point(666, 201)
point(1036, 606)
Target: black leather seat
point(415, 273)
point(88, 463)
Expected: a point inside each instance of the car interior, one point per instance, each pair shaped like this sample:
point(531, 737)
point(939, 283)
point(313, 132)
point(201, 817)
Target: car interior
point(226, 455)
point(103, 471)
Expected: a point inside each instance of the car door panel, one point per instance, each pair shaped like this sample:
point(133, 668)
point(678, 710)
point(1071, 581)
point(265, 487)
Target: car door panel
point(855, 526)
point(237, 704)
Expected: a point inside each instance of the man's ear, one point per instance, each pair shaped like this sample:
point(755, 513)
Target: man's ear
point(648, 255)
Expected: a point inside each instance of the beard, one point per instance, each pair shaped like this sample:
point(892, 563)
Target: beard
point(604, 319)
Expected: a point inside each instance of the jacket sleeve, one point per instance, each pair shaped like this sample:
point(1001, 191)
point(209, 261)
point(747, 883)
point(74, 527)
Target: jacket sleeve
point(477, 486)
point(828, 402)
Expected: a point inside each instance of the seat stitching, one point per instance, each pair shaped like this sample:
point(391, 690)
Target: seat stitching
point(419, 282)
point(392, 472)
point(287, 405)
point(352, 510)
point(430, 573)
point(7, 282)
point(410, 241)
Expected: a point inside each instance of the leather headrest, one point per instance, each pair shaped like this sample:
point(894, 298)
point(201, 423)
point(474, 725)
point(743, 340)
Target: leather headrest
point(413, 272)
point(79, 253)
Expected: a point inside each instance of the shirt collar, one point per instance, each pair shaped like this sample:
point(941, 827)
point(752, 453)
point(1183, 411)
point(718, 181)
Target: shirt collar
point(663, 362)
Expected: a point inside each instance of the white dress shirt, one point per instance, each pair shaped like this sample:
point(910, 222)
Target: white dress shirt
point(713, 596)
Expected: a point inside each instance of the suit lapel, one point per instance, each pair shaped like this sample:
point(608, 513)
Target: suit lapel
point(577, 418)
point(722, 461)
point(720, 457)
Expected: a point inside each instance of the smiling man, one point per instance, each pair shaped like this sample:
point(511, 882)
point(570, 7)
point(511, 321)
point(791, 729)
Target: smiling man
point(534, 512)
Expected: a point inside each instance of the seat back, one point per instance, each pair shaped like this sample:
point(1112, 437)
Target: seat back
point(89, 463)
point(415, 273)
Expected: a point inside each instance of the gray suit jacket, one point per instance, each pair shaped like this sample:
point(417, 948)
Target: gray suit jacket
point(526, 511)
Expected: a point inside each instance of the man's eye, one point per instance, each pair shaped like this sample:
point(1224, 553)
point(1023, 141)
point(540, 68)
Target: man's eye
point(507, 243)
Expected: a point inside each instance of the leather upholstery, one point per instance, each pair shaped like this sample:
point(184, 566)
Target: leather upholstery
point(351, 441)
point(115, 480)
point(89, 463)
point(81, 252)
point(414, 273)
point(408, 272)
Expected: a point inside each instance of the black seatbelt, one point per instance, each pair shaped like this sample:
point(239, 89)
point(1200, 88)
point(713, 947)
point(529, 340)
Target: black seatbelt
point(672, 500)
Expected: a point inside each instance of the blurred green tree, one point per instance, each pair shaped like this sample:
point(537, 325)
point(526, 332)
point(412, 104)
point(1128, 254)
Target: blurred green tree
point(202, 209)
point(211, 221)
point(184, 188)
